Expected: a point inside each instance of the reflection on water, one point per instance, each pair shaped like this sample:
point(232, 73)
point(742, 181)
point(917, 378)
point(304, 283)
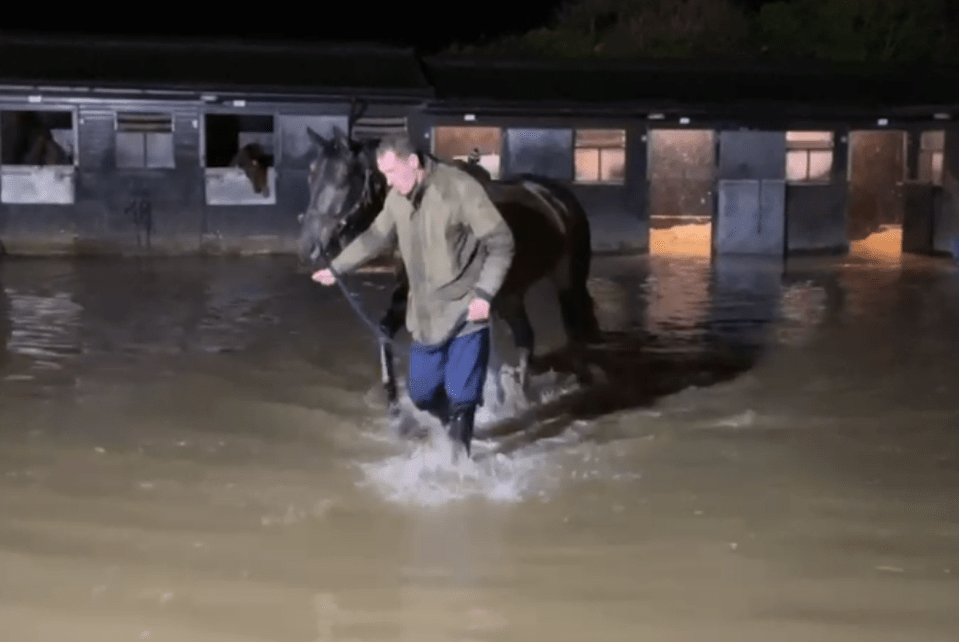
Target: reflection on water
point(804, 309)
point(43, 328)
point(197, 450)
point(678, 296)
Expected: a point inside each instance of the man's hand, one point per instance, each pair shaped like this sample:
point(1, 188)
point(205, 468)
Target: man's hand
point(479, 310)
point(324, 276)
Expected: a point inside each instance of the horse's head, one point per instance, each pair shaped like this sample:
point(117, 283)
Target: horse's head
point(255, 164)
point(346, 193)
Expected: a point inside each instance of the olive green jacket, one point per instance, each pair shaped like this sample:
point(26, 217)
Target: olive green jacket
point(455, 246)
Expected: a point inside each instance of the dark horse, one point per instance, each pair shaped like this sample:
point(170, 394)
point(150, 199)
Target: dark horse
point(255, 164)
point(550, 230)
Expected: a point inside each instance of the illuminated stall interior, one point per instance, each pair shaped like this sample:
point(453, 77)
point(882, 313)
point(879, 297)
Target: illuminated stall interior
point(681, 173)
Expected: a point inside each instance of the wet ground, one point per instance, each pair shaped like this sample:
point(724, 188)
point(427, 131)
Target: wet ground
point(195, 450)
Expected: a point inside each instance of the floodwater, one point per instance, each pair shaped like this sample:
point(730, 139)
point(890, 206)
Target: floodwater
point(195, 451)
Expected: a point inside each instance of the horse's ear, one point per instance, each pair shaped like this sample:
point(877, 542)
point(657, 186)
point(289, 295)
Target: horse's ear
point(340, 138)
point(317, 140)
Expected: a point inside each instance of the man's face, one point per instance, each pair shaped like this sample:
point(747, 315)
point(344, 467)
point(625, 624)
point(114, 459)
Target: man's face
point(400, 173)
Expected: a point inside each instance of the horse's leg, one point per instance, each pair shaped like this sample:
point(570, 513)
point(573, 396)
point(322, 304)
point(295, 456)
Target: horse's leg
point(577, 310)
point(513, 312)
point(579, 316)
point(494, 367)
point(392, 321)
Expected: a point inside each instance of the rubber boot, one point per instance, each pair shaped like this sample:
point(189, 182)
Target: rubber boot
point(461, 426)
point(409, 428)
point(439, 409)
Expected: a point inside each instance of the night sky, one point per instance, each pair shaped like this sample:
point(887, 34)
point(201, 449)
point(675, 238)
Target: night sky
point(427, 25)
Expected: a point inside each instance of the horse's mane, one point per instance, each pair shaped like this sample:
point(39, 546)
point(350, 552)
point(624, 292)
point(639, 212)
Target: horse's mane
point(365, 151)
point(254, 152)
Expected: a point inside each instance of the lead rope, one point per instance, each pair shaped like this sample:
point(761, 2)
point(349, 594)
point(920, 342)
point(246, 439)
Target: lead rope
point(351, 298)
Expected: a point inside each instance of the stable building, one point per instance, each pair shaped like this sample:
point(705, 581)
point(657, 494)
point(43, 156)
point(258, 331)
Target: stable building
point(776, 161)
point(767, 160)
point(146, 131)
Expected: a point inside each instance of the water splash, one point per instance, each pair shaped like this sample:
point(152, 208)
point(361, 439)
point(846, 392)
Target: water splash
point(541, 389)
point(426, 475)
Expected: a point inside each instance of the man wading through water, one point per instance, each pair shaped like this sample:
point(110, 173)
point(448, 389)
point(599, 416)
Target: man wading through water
point(457, 249)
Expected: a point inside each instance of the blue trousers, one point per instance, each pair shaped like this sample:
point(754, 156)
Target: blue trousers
point(451, 375)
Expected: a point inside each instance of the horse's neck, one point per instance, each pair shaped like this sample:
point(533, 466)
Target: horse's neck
point(240, 159)
point(255, 153)
point(37, 154)
point(54, 154)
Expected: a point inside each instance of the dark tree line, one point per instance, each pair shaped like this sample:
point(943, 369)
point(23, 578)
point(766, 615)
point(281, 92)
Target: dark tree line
point(832, 30)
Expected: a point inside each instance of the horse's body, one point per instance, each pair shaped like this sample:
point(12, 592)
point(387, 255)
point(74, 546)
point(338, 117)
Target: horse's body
point(549, 226)
point(255, 164)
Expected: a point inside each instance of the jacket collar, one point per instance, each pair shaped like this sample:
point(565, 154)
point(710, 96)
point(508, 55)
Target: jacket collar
point(416, 196)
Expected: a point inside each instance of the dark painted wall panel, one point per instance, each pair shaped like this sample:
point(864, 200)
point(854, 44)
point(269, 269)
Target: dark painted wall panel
point(139, 209)
point(917, 224)
point(751, 193)
point(751, 155)
point(816, 218)
point(750, 217)
point(946, 218)
point(547, 152)
point(616, 222)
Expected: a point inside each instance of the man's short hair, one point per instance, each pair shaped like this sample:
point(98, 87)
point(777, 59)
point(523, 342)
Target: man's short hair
point(399, 144)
